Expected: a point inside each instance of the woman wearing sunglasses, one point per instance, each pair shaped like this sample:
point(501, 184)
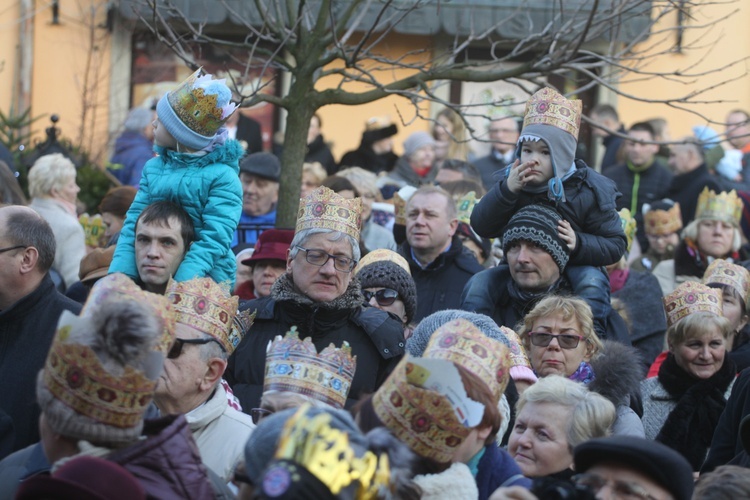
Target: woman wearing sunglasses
point(558, 334)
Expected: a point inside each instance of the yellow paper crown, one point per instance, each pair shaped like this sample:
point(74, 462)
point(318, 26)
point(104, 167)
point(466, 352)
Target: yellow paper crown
point(628, 226)
point(691, 297)
point(399, 208)
point(74, 374)
point(549, 107)
point(725, 273)
point(465, 205)
point(725, 207)
point(324, 209)
point(662, 222)
point(461, 342)
point(294, 365)
point(383, 255)
point(202, 103)
point(209, 308)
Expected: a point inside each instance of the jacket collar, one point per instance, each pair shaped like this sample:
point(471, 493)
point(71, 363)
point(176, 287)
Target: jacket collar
point(285, 291)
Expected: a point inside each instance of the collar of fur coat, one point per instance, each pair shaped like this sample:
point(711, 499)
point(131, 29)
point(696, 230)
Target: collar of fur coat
point(285, 290)
point(454, 482)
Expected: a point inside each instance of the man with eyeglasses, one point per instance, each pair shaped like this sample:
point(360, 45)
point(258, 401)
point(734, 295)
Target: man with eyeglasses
point(29, 309)
point(318, 295)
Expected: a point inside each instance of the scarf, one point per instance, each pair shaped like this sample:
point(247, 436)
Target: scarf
point(689, 427)
point(584, 374)
point(527, 299)
point(617, 279)
point(67, 206)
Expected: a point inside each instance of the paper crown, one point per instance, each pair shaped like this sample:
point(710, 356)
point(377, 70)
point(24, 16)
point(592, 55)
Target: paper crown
point(465, 205)
point(93, 229)
point(324, 209)
point(209, 308)
point(423, 415)
point(202, 103)
point(549, 107)
point(725, 273)
point(461, 342)
point(691, 297)
point(294, 365)
point(628, 226)
point(662, 222)
point(400, 199)
point(725, 207)
point(383, 255)
point(74, 374)
point(518, 355)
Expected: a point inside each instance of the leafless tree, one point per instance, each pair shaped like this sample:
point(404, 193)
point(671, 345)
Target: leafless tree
point(606, 41)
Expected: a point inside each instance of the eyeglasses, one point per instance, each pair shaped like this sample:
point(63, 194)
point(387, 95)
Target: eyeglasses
point(8, 249)
point(259, 414)
point(566, 341)
point(176, 349)
point(621, 489)
point(319, 258)
point(383, 297)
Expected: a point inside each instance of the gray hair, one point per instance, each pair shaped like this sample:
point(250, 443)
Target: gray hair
point(26, 227)
point(50, 172)
point(212, 350)
point(138, 119)
point(302, 236)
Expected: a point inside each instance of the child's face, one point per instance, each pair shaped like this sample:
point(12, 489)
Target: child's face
point(162, 137)
point(538, 153)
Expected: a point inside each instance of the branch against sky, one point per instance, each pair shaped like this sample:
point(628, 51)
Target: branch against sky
point(606, 41)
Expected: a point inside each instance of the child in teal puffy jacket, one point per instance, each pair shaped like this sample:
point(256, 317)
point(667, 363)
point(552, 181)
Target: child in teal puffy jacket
point(197, 168)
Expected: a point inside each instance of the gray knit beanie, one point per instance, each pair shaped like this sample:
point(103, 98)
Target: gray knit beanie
point(388, 274)
point(537, 224)
point(416, 141)
point(417, 343)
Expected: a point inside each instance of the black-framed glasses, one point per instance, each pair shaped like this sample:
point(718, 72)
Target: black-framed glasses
point(621, 489)
point(176, 349)
point(319, 258)
point(383, 297)
point(15, 247)
point(565, 341)
point(259, 414)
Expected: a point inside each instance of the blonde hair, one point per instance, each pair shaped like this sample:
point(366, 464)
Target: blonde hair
point(592, 415)
point(691, 233)
point(50, 172)
point(695, 325)
point(316, 170)
point(363, 181)
point(569, 307)
point(458, 147)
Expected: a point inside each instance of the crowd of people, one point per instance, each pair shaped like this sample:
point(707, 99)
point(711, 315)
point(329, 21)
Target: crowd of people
point(436, 325)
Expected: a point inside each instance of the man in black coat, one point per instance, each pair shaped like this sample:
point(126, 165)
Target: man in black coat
point(319, 296)
point(30, 307)
point(504, 136)
point(691, 177)
point(439, 263)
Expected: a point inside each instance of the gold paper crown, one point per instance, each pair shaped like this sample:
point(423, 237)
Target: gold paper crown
point(518, 356)
point(324, 209)
point(421, 418)
point(725, 207)
point(465, 206)
point(549, 107)
point(461, 342)
point(74, 374)
point(399, 208)
point(691, 297)
point(294, 365)
point(725, 273)
point(628, 226)
point(207, 307)
point(383, 255)
point(202, 103)
point(662, 222)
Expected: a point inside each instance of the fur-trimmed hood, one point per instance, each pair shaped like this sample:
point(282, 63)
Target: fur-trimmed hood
point(617, 372)
point(284, 290)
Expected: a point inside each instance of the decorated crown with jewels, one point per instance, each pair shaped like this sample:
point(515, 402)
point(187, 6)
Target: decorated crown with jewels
point(294, 365)
point(324, 209)
point(549, 107)
point(723, 272)
point(202, 103)
point(662, 222)
point(725, 207)
point(692, 297)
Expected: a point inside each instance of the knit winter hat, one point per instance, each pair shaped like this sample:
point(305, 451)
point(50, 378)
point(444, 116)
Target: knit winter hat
point(537, 224)
point(195, 111)
point(388, 274)
point(416, 141)
point(417, 343)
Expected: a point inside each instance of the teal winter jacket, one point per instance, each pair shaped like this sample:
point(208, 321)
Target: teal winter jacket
point(208, 188)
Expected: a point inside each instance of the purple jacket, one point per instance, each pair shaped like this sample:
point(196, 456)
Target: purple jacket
point(132, 151)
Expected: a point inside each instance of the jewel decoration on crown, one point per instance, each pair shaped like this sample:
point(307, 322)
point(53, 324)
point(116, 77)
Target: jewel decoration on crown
point(662, 222)
point(202, 103)
point(549, 107)
point(74, 374)
point(461, 342)
point(723, 272)
point(465, 206)
point(324, 209)
point(294, 365)
point(628, 226)
point(691, 297)
point(725, 207)
point(206, 306)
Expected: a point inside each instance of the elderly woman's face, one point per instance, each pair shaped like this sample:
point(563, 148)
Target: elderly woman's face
point(701, 356)
point(715, 238)
point(68, 191)
point(539, 442)
point(554, 359)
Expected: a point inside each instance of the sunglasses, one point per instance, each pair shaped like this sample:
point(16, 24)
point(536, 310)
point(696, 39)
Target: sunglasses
point(176, 349)
point(567, 341)
point(259, 414)
point(383, 297)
